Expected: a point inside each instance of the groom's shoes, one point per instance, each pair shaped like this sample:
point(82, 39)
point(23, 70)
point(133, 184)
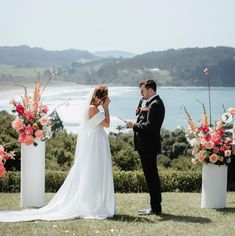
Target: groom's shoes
point(149, 211)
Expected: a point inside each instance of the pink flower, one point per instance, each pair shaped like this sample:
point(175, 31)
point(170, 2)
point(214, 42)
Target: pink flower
point(2, 170)
point(28, 130)
point(206, 71)
point(228, 140)
point(39, 133)
point(43, 121)
point(21, 137)
point(231, 110)
point(1, 150)
point(227, 153)
point(20, 109)
point(204, 128)
point(29, 139)
point(202, 157)
point(44, 109)
point(215, 149)
point(17, 124)
point(6, 157)
point(209, 145)
point(216, 138)
point(213, 158)
point(29, 116)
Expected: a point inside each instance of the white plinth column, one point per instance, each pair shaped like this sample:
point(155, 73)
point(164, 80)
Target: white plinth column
point(214, 186)
point(32, 189)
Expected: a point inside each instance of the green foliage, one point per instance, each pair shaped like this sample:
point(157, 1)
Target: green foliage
point(124, 181)
point(60, 148)
point(60, 151)
point(183, 163)
point(8, 138)
point(174, 144)
point(163, 160)
point(123, 154)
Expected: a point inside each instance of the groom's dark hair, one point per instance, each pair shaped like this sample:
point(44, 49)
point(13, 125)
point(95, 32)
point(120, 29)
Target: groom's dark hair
point(149, 83)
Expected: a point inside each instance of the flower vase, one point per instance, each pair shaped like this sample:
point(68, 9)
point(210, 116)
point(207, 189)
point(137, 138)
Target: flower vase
point(32, 189)
point(214, 186)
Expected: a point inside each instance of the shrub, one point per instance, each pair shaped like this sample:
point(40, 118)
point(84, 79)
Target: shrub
point(124, 181)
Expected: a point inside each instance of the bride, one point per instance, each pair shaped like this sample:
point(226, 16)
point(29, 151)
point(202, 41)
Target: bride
point(88, 190)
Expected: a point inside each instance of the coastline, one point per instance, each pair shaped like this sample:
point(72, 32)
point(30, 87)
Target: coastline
point(13, 85)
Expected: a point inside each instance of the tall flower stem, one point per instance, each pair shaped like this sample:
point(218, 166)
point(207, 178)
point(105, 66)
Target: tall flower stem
point(206, 72)
point(209, 96)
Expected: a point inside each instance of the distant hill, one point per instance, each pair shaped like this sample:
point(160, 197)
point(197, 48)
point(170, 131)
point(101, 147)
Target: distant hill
point(25, 56)
point(114, 54)
point(181, 67)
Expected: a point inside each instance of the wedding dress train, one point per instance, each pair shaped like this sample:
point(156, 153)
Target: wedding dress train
point(88, 190)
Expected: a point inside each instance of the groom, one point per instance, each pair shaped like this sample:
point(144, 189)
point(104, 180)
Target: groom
point(147, 141)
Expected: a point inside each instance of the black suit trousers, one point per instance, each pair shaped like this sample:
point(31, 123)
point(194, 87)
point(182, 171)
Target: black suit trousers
point(149, 164)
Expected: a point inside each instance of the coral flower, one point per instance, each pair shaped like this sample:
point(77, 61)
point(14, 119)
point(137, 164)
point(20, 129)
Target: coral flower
point(213, 158)
point(2, 169)
point(39, 133)
point(17, 124)
point(43, 121)
point(29, 139)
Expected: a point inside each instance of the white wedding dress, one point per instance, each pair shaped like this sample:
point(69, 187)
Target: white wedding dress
point(88, 190)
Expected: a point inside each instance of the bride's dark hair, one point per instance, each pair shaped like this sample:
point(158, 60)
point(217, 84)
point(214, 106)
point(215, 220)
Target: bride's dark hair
point(99, 95)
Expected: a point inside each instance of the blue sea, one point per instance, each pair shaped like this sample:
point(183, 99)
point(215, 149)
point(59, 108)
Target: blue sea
point(125, 99)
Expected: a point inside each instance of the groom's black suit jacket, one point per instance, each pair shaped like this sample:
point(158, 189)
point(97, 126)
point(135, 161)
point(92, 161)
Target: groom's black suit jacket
point(147, 137)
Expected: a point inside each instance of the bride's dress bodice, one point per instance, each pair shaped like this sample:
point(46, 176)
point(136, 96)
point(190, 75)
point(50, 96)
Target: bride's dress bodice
point(88, 190)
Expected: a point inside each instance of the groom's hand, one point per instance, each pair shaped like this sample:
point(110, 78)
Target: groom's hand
point(129, 124)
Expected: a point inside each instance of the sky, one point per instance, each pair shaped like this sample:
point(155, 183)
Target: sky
point(136, 26)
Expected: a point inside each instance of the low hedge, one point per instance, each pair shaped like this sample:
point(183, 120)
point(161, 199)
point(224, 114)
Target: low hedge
point(124, 181)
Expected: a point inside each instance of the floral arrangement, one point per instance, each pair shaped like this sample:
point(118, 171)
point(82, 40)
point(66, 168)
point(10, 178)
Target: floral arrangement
point(4, 156)
point(32, 121)
point(210, 144)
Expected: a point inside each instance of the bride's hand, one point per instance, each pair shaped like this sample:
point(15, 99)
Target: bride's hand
point(105, 105)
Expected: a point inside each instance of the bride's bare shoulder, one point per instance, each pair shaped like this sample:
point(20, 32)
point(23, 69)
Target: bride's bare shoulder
point(92, 111)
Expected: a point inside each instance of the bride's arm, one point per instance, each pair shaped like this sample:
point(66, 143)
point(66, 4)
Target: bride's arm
point(106, 121)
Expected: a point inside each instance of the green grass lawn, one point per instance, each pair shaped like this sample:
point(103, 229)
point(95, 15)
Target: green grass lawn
point(181, 216)
point(20, 71)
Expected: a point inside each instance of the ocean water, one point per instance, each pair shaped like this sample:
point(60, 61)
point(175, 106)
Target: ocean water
point(124, 101)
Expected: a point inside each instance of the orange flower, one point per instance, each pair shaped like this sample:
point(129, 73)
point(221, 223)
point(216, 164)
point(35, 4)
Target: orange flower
point(29, 139)
point(26, 100)
point(191, 124)
point(219, 124)
point(205, 119)
point(35, 126)
point(36, 98)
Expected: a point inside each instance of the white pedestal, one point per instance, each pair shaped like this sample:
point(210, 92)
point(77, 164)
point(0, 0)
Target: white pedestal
point(214, 186)
point(32, 187)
